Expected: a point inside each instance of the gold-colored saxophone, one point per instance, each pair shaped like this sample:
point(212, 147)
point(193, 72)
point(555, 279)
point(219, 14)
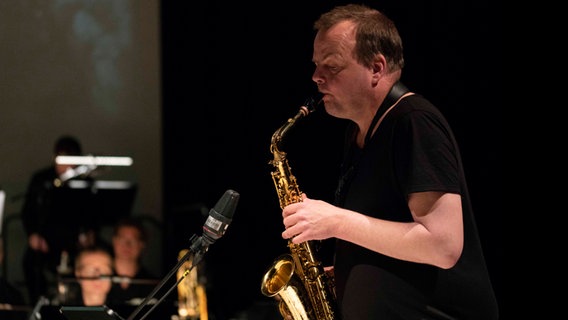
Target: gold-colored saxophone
point(192, 298)
point(297, 280)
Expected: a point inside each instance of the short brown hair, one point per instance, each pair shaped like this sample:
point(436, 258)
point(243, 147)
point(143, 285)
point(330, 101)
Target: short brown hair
point(375, 33)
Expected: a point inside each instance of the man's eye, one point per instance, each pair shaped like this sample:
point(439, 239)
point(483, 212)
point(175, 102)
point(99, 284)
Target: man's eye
point(333, 69)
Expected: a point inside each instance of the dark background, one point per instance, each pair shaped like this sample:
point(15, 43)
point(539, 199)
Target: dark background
point(235, 72)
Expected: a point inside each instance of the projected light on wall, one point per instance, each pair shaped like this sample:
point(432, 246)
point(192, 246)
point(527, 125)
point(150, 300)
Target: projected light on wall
point(104, 25)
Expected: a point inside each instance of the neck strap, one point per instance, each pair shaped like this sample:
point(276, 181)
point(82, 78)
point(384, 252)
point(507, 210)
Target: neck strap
point(396, 92)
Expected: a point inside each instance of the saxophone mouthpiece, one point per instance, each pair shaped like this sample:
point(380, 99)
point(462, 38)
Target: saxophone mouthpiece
point(311, 103)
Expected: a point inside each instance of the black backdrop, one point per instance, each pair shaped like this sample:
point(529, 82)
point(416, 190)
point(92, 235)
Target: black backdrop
point(234, 72)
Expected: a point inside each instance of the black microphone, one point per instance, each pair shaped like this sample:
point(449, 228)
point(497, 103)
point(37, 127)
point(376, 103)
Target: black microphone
point(220, 217)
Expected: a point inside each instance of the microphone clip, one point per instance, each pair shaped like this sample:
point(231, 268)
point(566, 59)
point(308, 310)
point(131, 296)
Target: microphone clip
point(197, 248)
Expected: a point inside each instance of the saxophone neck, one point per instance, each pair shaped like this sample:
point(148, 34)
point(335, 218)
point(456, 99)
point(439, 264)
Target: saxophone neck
point(308, 107)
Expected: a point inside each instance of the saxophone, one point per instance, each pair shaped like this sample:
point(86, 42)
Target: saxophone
point(192, 298)
point(297, 280)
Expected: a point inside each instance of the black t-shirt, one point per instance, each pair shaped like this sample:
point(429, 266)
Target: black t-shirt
point(413, 150)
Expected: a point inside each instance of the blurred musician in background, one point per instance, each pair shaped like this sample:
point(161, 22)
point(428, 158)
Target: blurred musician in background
point(133, 280)
point(55, 226)
point(93, 270)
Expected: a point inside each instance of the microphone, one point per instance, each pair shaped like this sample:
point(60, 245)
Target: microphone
point(214, 228)
point(220, 217)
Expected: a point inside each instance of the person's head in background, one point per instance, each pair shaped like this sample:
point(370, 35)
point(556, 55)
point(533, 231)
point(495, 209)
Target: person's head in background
point(94, 262)
point(128, 241)
point(66, 145)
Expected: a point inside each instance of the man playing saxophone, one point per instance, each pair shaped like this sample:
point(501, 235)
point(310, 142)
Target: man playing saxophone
point(407, 244)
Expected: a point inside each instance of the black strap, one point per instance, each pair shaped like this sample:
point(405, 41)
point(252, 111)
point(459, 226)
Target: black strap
point(352, 154)
point(397, 91)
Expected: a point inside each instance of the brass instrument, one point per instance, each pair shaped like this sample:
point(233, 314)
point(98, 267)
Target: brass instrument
point(297, 279)
point(192, 298)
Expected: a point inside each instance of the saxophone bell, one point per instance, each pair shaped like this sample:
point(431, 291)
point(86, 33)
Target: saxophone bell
point(281, 283)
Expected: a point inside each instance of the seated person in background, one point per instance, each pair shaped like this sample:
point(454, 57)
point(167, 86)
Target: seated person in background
point(134, 281)
point(94, 271)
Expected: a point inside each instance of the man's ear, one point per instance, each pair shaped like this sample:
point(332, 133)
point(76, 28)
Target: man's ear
point(378, 67)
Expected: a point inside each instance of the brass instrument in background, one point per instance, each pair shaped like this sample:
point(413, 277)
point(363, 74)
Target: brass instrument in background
point(297, 279)
point(192, 298)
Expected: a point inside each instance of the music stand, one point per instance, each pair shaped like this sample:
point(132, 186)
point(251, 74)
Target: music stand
point(91, 313)
point(112, 200)
point(109, 200)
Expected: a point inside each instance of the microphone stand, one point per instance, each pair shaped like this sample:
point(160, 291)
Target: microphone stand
point(197, 249)
point(35, 314)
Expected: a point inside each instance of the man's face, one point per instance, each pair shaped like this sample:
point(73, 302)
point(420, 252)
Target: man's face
point(127, 243)
point(338, 75)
